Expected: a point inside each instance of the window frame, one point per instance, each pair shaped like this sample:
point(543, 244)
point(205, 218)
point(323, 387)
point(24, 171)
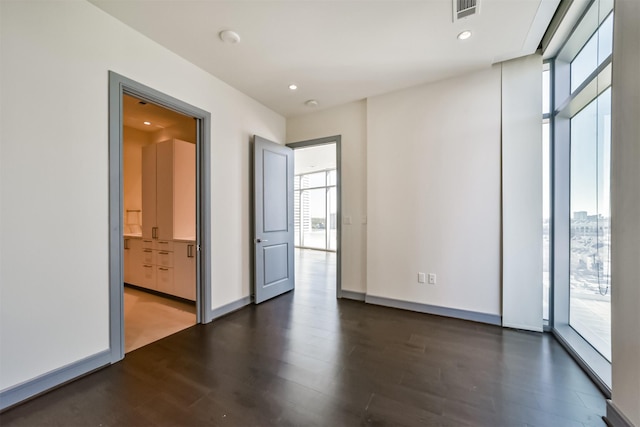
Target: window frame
point(566, 104)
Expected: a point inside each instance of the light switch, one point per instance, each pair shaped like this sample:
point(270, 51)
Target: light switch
point(421, 277)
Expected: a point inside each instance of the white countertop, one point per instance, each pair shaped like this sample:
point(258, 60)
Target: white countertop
point(177, 239)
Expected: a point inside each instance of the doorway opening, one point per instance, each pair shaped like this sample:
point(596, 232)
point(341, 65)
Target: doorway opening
point(159, 215)
point(159, 194)
point(317, 216)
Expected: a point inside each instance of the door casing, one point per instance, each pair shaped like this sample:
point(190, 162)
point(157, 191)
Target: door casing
point(336, 139)
point(118, 86)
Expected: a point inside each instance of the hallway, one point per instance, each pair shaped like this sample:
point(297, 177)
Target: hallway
point(308, 359)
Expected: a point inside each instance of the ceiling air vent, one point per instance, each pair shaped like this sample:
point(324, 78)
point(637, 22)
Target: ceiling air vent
point(464, 8)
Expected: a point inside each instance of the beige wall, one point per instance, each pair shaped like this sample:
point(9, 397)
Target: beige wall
point(433, 193)
point(422, 168)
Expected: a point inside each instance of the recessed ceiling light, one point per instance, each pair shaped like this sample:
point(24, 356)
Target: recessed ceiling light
point(147, 123)
point(464, 35)
point(293, 87)
point(229, 36)
point(311, 103)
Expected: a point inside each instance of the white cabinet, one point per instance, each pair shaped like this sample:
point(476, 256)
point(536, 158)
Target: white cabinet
point(148, 279)
point(165, 266)
point(159, 261)
point(169, 190)
point(184, 268)
point(164, 280)
point(132, 260)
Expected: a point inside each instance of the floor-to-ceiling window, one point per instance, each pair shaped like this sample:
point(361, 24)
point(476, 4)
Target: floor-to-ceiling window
point(590, 256)
point(581, 125)
point(315, 206)
point(315, 197)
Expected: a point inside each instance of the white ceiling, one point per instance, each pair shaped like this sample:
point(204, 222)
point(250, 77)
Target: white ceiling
point(336, 51)
point(315, 158)
point(135, 112)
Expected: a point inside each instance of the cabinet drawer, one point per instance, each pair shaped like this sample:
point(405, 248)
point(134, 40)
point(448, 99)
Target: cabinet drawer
point(164, 279)
point(148, 256)
point(164, 258)
point(163, 245)
point(148, 279)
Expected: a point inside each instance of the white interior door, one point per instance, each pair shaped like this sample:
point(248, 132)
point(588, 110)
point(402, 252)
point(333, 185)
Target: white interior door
point(273, 219)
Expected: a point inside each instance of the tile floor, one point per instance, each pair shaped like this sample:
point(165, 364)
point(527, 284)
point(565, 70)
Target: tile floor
point(149, 317)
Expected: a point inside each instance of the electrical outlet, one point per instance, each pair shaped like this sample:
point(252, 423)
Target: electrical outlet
point(432, 278)
point(421, 278)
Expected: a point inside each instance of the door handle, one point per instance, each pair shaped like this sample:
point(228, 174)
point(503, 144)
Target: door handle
point(261, 240)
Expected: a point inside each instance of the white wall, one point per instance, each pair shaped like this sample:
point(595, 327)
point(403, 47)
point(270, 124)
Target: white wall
point(54, 274)
point(625, 211)
point(433, 193)
point(349, 121)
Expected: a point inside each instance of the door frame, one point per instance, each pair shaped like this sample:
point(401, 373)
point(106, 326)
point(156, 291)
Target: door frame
point(119, 86)
point(336, 139)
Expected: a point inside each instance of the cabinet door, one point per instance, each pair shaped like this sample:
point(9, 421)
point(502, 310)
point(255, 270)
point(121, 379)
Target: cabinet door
point(133, 261)
point(184, 190)
point(128, 267)
point(164, 258)
point(184, 262)
point(164, 190)
point(148, 276)
point(148, 190)
point(164, 280)
point(148, 256)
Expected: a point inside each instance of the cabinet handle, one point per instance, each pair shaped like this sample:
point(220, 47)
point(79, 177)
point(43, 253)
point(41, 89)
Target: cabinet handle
point(147, 266)
point(154, 232)
point(163, 253)
point(163, 269)
point(189, 251)
point(163, 243)
point(126, 243)
point(148, 250)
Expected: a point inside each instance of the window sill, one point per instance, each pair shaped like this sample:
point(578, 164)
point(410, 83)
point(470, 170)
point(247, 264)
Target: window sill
point(594, 364)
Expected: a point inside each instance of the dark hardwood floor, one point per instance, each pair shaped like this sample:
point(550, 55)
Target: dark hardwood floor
point(307, 359)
